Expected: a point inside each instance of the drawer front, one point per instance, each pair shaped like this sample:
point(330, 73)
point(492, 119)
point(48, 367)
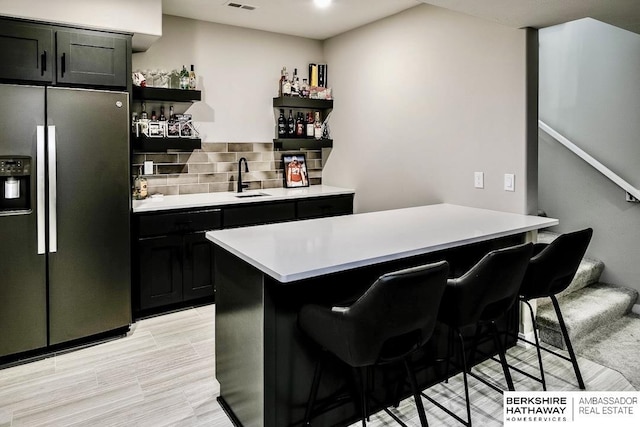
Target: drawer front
point(325, 206)
point(262, 213)
point(179, 222)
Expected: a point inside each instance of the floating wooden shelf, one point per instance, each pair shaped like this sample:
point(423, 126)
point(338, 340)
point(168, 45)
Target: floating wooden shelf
point(163, 144)
point(296, 102)
point(298, 143)
point(164, 94)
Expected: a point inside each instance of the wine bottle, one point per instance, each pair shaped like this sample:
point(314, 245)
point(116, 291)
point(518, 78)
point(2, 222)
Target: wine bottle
point(283, 73)
point(291, 125)
point(295, 83)
point(300, 126)
point(184, 78)
point(310, 125)
point(192, 79)
point(282, 125)
point(317, 126)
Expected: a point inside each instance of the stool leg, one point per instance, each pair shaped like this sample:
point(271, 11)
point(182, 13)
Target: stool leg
point(535, 334)
point(314, 389)
point(565, 334)
point(449, 354)
point(416, 394)
point(464, 376)
point(360, 377)
point(503, 357)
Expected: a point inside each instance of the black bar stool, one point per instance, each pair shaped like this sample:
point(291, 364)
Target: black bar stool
point(551, 270)
point(478, 298)
point(387, 324)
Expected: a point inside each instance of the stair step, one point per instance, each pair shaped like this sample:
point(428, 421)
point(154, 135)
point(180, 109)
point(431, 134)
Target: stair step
point(588, 274)
point(584, 310)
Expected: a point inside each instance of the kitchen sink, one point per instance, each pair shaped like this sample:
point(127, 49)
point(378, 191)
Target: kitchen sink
point(245, 196)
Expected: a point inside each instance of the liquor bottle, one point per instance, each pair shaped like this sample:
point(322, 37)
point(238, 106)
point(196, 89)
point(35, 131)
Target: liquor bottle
point(143, 112)
point(283, 74)
point(163, 122)
point(304, 89)
point(317, 126)
point(300, 126)
point(173, 127)
point(310, 125)
point(192, 79)
point(291, 125)
point(286, 85)
point(134, 122)
point(184, 78)
point(295, 83)
point(282, 125)
point(153, 116)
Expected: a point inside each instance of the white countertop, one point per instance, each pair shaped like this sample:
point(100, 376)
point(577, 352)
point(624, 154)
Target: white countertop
point(152, 204)
point(302, 249)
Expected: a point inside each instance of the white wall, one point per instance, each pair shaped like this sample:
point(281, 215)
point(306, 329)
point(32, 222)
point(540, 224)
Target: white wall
point(590, 92)
point(142, 17)
point(238, 71)
point(422, 100)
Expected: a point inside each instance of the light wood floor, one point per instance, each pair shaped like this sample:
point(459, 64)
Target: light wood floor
point(162, 374)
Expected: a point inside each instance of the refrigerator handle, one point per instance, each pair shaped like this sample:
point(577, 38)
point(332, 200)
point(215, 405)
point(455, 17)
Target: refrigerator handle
point(40, 189)
point(53, 229)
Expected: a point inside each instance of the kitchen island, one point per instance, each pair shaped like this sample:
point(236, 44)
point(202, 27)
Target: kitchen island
point(264, 274)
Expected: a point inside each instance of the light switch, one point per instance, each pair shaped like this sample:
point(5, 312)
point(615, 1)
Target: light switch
point(509, 182)
point(478, 180)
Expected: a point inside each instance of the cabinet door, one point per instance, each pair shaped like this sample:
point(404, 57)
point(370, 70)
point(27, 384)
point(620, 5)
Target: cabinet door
point(197, 264)
point(91, 58)
point(27, 52)
point(160, 264)
point(260, 213)
point(325, 206)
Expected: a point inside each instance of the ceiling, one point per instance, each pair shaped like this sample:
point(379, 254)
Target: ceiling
point(301, 18)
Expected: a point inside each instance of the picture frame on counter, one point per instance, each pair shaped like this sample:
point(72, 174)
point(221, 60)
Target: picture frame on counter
point(295, 170)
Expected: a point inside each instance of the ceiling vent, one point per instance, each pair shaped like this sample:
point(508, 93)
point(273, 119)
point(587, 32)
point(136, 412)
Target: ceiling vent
point(237, 5)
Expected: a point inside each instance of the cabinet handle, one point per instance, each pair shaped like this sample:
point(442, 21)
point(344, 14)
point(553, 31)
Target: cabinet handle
point(43, 60)
point(63, 64)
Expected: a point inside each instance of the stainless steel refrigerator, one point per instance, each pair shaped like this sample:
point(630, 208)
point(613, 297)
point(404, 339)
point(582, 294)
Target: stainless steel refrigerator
point(64, 215)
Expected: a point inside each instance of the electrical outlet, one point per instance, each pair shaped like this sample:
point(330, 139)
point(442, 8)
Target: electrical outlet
point(478, 179)
point(509, 182)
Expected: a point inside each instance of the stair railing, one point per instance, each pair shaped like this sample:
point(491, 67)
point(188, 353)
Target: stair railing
point(630, 189)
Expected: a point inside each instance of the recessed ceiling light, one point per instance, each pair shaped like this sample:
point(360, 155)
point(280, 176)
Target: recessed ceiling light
point(322, 3)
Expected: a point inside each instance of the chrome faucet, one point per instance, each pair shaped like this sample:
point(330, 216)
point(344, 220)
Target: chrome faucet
point(246, 169)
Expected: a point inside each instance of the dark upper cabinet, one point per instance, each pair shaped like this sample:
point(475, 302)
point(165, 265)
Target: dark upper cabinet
point(91, 58)
point(27, 50)
point(40, 53)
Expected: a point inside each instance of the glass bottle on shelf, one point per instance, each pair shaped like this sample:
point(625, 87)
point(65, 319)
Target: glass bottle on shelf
point(192, 79)
point(184, 78)
point(304, 89)
point(295, 83)
point(300, 126)
point(310, 125)
point(286, 85)
point(317, 126)
point(282, 125)
point(291, 125)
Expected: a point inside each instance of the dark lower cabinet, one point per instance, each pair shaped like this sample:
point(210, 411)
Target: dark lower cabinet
point(197, 263)
point(175, 260)
point(160, 274)
point(174, 269)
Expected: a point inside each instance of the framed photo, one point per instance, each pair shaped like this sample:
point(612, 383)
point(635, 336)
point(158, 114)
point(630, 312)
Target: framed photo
point(295, 170)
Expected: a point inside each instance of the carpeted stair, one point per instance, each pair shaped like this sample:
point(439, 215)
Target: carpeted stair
point(586, 304)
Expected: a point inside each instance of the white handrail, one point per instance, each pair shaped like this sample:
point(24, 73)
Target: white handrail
point(589, 159)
